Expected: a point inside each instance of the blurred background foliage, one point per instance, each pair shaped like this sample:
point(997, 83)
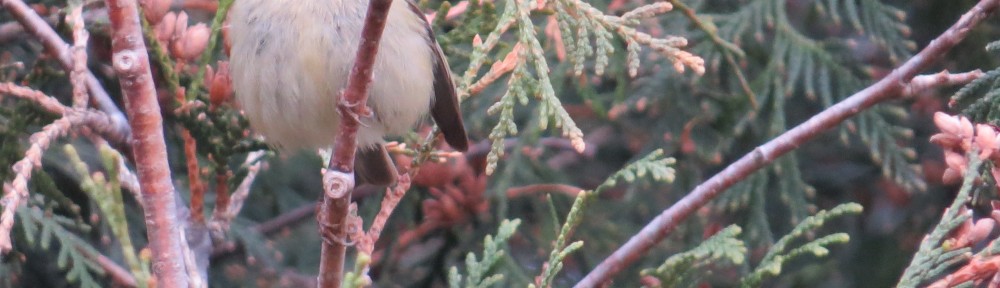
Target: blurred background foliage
point(799, 57)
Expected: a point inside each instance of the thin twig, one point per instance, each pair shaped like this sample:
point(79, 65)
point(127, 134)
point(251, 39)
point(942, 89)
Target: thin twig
point(221, 191)
point(338, 179)
point(568, 190)
point(55, 45)
point(93, 119)
point(78, 75)
point(190, 264)
point(890, 87)
point(44, 101)
point(16, 191)
point(119, 275)
point(220, 220)
point(195, 185)
point(389, 201)
point(131, 63)
point(283, 221)
point(944, 78)
point(204, 5)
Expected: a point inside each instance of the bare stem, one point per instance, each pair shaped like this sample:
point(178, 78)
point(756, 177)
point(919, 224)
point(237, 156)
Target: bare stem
point(131, 61)
point(336, 201)
point(891, 87)
point(221, 219)
point(78, 75)
point(924, 83)
point(389, 201)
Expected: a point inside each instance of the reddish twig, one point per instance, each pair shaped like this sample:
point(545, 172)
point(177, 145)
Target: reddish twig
point(568, 190)
point(193, 170)
point(37, 26)
point(890, 87)
point(338, 180)
point(221, 191)
point(131, 63)
point(204, 5)
point(221, 218)
point(194, 176)
point(389, 201)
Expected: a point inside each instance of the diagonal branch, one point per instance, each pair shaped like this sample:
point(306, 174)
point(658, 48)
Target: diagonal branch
point(338, 179)
point(891, 87)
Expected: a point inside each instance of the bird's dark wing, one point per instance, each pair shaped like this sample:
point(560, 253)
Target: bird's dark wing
point(445, 110)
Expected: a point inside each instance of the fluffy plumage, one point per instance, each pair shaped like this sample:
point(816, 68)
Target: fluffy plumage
point(291, 58)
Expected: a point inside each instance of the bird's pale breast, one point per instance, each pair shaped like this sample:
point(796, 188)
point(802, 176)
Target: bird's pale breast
point(291, 58)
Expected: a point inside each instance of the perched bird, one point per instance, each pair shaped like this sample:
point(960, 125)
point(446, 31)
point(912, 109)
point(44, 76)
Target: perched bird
point(290, 60)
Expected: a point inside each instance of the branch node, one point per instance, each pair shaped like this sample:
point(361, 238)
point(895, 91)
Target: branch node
point(125, 61)
point(337, 184)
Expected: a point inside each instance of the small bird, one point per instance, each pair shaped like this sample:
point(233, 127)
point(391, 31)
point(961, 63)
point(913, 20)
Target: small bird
point(290, 60)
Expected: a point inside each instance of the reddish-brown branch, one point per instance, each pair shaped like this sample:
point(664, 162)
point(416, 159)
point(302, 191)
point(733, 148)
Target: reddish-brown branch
point(131, 63)
point(194, 176)
point(389, 201)
point(193, 170)
point(37, 26)
point(338, 179)
point(890, 87)
point(221, 218)
point(221, 191)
